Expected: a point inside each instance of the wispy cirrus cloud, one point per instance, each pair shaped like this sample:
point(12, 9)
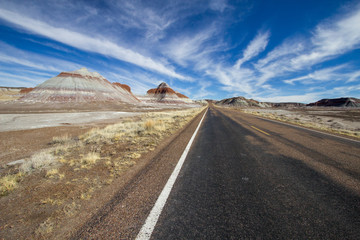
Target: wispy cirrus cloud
point(31, 60)
point(330, 39)
point(327, 74)
point(193, 48)
point(88, 43)
point(296, 54)
point(256, 46)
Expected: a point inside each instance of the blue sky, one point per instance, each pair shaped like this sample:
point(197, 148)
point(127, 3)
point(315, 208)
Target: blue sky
point(270, 50)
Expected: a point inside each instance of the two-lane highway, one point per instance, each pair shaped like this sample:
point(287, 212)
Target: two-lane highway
point(248, 178)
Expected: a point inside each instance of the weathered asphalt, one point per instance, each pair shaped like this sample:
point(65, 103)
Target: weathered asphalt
point(247, 178)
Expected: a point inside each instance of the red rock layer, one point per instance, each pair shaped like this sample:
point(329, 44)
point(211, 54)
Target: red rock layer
point(161, 91)
point(123, 86)
point(77, 75)
point(181, 95)
point(26, 90)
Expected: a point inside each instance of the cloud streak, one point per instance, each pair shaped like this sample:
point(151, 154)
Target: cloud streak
point(256, 46)
point(88, 43)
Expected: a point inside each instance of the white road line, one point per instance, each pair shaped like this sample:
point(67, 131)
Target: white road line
point(148, 227)
point(295, 126)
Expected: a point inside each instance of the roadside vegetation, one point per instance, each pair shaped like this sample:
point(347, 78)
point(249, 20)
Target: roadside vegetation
point(315, 122)
point(56, 181)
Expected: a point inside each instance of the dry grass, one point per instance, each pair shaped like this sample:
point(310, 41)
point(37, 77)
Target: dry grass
point(54, 173)
point(304, 123)
point(9, 182)
point(89, 159)
point(52, 201)
point(149, 125)
point(61, 139)
point(72, 171)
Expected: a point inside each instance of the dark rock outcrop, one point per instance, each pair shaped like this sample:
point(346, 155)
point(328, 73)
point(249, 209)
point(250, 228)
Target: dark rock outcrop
point(337, 102)
point(241, 102)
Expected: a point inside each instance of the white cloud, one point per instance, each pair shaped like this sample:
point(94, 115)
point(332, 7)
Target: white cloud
point(331, 39)
point(16, 56)
point(194, 49)
point(218, 5)
point(88, 43)
point(337, 73)
point(256, 46)
point(326, 74)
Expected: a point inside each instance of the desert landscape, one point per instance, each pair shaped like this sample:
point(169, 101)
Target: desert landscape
point(62, 153)
point(209, 119)
point(339, 116)
point(62, 146)
point(54, 135)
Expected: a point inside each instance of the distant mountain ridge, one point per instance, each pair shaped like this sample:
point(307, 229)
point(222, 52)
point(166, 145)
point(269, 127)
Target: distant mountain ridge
point(337, 102)
point(241, 102)
point(244, 102)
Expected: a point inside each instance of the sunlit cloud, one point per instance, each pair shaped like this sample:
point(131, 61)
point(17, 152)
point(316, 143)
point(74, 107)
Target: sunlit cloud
point(256, 46)
point(88, 43)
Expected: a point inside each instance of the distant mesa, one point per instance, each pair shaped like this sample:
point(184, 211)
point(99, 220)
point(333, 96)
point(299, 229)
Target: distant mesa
point(337, 102)
point(244, 102)
point(241, 102)
point(80, 86)
point(165, 94)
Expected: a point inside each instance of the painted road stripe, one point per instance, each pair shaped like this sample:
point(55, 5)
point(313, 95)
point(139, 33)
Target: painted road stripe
point(308, 129)
point(260, 130)
point(148, 227)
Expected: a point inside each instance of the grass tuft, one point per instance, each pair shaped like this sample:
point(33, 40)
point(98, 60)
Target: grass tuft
point(149, 125)
point(90, 159)
point(9, 183)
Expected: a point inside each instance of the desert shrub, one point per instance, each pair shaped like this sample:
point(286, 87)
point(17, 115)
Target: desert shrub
point(149, 125)
point(38, 161)
point(60, 139)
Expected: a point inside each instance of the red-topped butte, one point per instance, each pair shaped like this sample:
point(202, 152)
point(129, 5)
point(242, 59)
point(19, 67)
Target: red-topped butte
point(79, 86)
point(164, 93)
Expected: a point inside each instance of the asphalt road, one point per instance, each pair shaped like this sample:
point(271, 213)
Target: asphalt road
point(249, 178)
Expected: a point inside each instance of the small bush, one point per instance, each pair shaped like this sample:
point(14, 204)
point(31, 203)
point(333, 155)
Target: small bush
point(61, 140)
point(38, 161)
point(149, 125)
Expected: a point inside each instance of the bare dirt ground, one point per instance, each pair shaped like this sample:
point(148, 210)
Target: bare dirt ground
point(90, 160)
point(344, 121)
point(14, 122)
point(12, 107)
